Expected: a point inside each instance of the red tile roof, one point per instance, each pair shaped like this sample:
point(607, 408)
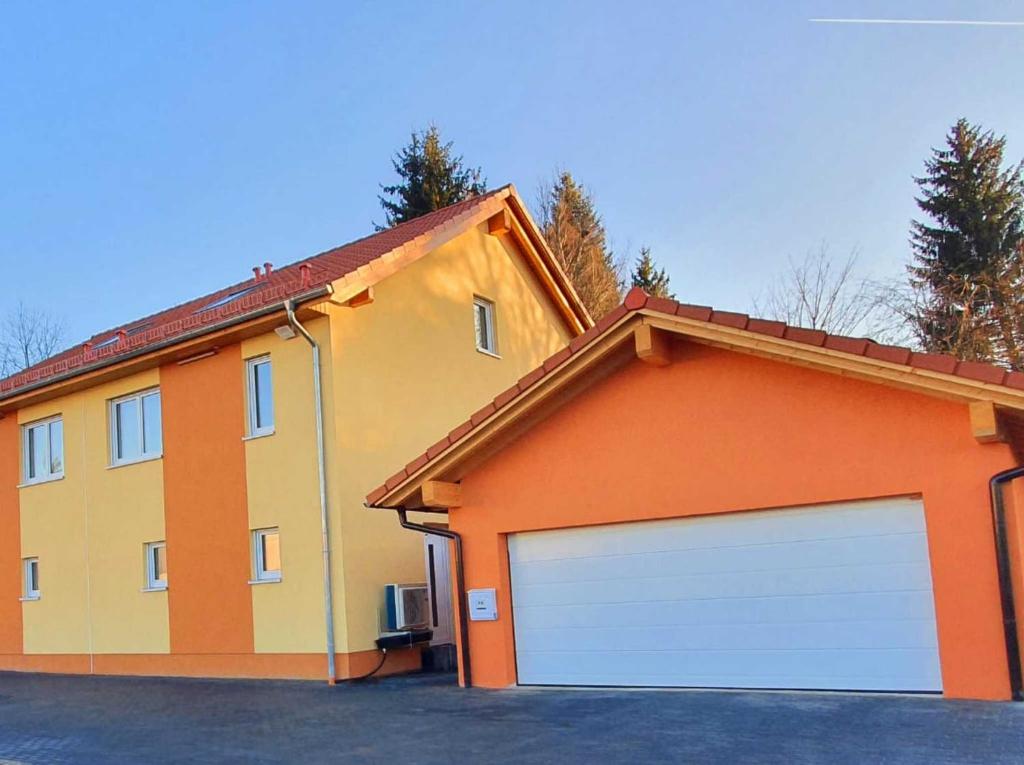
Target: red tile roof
point(637, 299)
point(290, 281)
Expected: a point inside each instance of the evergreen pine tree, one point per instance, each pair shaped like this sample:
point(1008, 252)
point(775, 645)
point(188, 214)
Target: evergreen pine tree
point(573, 230)
point(967, 267)
point(431, 178)
point(648, 277)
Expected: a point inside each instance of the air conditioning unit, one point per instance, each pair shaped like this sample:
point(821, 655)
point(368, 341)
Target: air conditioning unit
point(407, 607)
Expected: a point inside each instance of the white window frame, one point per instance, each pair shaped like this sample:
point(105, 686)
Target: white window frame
point(115, 461)
point(259, 573)
point(489, 325)
point(152, 583)
point(45, 475)
point(29, 592)
point(250, 383)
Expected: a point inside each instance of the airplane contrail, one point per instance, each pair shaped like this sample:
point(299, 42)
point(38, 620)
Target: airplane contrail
point(926, 22)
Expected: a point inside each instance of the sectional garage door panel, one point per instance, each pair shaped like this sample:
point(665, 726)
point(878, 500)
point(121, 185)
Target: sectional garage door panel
point(835, 597)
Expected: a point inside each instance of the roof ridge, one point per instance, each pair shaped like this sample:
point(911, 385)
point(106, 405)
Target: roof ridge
point(858, 346)
point(397, 227)
point(239, 285)
point(326, 266)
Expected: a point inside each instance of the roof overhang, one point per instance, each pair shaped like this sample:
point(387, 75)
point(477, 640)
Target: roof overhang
point(203, 340)
point(521, 231)
point(626, 335)
point(89, 365)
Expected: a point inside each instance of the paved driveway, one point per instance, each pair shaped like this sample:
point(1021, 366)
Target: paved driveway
point(425, 719)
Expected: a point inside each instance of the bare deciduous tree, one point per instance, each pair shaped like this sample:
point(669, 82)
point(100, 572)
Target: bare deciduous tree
point(28, 336)
point(819, 292)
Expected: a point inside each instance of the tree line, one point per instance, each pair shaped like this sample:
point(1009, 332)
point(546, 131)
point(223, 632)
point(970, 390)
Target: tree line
point(963, 288)
point(962, 294)
point(431, 176)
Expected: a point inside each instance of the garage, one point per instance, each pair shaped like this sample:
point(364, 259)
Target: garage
point(694, 498)
point(836, 597)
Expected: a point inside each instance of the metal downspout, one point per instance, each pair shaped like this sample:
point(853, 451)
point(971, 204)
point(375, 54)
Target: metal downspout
point(460, 583)
point(325, 537)
point(1003, 563)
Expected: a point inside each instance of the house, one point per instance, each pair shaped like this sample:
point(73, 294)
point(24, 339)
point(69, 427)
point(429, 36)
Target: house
point(173, 490)
point(690, 497)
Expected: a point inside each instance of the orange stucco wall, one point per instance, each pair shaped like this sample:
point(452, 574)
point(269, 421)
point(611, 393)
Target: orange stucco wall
point(206, 515)
point(719, 431)
point(10, 539)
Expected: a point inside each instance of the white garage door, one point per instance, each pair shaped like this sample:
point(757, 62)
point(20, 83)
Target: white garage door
point(836, 597)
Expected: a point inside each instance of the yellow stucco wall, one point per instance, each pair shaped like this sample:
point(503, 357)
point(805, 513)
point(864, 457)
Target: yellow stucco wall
point(53, 528)
point(125, 511)
point(397, 374)
point(88, 530)
point(282, 487)
point(406, 371)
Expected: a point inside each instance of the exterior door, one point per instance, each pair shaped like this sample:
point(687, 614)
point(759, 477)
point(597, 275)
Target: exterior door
point(439, 586)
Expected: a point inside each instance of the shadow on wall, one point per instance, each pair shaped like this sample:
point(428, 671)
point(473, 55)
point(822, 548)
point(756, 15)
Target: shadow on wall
point(423, 363)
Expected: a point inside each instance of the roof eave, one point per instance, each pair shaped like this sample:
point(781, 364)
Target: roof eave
point(466, 441)
point(565, 288)
point(154, 348)
point(872, 369)
point(564, 375)
point(535, 253)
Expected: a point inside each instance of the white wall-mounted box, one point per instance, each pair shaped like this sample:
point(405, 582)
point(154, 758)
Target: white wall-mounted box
point(483, 605)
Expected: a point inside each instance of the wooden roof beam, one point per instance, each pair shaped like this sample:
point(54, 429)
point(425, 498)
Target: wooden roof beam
point(441, 494)
point(652, 345)
point(499, 224)
point(360, 298)
point(985, 422)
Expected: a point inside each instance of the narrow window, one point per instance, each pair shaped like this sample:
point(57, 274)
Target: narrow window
point(261, 396)
point(156, 566)
point(43, 451)
point(483, 319)
point(31, 578)
point(266, 546)
point(136, 431)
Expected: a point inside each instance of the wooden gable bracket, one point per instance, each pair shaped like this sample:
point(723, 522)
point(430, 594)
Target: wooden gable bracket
point(360, 298)
point(985, 422)
point(652, 345)
point(441, 494)
point(499, 224)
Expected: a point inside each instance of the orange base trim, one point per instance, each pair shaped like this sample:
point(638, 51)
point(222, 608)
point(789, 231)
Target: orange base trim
point(280, 666)
point(61, 663)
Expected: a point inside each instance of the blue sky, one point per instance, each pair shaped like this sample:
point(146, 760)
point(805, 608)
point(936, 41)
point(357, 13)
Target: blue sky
point(153, 152)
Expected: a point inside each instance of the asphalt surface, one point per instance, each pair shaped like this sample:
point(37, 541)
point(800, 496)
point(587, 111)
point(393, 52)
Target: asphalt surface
point(427, 719)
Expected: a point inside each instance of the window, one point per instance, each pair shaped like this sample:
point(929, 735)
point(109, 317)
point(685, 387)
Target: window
point(127, 333)
point(156, 566)
point(261, 396)
point(43, 451)
point(229, 298)
point(31, 578)
point(483, 318)
point(135, 428)
point(266, 555)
